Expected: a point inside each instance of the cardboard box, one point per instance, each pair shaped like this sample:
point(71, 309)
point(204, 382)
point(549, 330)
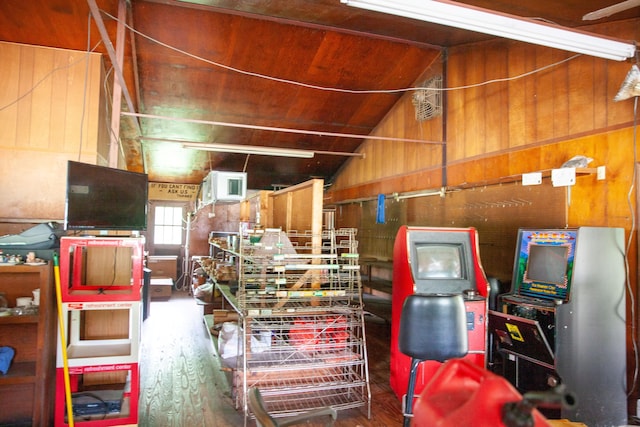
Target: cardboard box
point(161, 288)
point(163, 266)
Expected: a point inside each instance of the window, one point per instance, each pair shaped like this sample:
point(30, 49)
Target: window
point(167, 229)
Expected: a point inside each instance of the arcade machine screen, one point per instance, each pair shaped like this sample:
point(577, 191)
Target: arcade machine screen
point(544, 264)
point(439, 261)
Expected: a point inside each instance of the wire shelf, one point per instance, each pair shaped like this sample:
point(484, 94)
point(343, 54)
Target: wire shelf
point(301, 328)
point(281, 404)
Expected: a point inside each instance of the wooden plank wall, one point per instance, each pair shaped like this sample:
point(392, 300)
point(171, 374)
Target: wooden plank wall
point(294, 208)
point(490, 129)
point(216, 217)
point(298, 207)
point(50, 112)
point(256, 208)
point(496, 211)
point(496, 132)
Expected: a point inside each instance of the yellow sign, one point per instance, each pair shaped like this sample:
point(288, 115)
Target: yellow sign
point(168, 191)
point(514, 332)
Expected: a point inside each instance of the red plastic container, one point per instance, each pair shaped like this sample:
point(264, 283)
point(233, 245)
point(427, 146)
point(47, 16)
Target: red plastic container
point(463, 394)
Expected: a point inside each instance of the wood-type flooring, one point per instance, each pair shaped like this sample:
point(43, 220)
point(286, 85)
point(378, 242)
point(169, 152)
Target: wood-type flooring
point(183, 384)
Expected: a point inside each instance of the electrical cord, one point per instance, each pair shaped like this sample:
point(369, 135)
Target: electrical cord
point(325, 88)
point(632, 303)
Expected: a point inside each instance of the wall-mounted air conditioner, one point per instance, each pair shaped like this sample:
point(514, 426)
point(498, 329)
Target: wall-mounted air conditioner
point(226, 187)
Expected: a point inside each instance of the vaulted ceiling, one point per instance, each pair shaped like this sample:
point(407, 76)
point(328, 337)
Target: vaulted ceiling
point(277, 73)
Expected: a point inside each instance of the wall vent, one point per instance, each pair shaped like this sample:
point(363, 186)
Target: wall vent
point(427, 101)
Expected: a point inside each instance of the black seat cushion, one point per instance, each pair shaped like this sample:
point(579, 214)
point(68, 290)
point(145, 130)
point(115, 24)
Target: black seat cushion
point(433, 327)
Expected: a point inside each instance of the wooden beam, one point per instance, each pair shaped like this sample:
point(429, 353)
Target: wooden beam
point(116, 104)
point(95, 12)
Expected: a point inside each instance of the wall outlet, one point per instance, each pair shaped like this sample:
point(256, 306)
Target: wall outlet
point(601, 174)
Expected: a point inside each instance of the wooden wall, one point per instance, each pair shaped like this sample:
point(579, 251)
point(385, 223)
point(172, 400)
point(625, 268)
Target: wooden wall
point(490, 129)
point(51, 111)
point(298, 208)
point(218, 217)
point(496, 211)
point(494, 133)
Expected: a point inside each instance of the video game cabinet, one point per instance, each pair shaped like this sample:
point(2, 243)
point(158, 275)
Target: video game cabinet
point(563, 321)
point(431, 260)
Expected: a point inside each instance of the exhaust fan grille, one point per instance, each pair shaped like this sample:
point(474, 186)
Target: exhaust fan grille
point(428, 101)
point(630, 86)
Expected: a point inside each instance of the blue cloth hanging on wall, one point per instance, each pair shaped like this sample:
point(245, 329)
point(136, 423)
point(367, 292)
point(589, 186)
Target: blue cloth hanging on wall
point(380, 209)
point(6, 355)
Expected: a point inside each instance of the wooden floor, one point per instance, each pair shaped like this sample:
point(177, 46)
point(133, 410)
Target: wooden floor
point(182, 383)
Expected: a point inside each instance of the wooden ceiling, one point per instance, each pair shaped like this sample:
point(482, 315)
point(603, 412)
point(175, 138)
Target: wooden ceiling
point(244, 71)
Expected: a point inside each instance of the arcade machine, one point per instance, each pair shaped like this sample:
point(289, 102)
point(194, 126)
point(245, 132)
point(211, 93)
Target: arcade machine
point(563, 321)
point(431, 260)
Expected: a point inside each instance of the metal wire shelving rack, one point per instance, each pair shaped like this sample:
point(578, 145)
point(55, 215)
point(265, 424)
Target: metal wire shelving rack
point(301, 321)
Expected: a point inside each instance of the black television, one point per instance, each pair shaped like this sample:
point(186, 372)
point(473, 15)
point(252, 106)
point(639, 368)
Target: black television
point(104, 198)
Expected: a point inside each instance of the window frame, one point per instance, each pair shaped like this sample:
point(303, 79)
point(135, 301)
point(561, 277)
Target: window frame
point(173, 225)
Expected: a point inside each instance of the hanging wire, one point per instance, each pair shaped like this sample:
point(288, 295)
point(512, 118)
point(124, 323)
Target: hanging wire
point(632, 305)
point(331, 89)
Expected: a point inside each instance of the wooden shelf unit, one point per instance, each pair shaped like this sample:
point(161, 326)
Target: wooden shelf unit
point(102, 280)
point(27, 390)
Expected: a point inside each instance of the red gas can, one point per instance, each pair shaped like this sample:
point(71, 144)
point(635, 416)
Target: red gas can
point(463, 394)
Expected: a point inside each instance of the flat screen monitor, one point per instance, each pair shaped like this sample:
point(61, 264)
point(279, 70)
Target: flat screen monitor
point(103, 198)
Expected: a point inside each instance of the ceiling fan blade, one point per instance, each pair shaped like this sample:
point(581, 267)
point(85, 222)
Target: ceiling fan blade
point(610, 10)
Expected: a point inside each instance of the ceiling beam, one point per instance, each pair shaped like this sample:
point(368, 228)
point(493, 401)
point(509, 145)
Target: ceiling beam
point(278, 129)
point(95, 12)
point(116, 104)
point(297, 23)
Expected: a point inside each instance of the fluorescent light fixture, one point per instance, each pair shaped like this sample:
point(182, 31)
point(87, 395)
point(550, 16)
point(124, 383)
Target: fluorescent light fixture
point(486, 21)
point(250, 149)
